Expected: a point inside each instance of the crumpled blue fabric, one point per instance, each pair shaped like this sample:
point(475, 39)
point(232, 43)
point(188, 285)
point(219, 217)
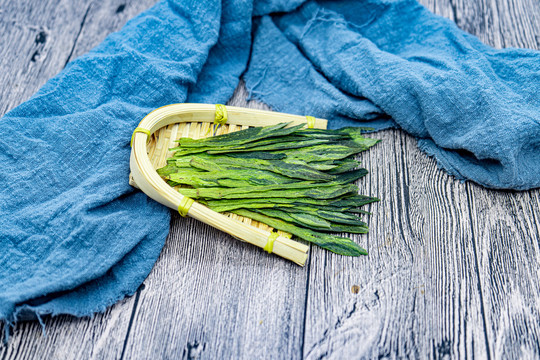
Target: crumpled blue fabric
point(475, 108)
point(76, 238)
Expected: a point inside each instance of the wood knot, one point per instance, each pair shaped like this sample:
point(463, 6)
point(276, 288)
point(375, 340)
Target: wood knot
point(121, 8)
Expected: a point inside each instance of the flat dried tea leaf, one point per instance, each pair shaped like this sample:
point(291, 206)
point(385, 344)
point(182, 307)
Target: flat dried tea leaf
point(336, 244)
point(241, 137)
point(293, 179)
point(324, 192)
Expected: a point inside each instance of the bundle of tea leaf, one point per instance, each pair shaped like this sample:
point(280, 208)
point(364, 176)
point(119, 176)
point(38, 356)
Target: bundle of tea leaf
point(293, 179)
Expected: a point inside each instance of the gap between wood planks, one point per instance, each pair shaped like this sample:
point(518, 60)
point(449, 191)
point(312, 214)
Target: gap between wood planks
point(78, 35)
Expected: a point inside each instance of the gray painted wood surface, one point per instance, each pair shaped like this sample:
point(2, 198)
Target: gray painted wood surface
point(452, 271)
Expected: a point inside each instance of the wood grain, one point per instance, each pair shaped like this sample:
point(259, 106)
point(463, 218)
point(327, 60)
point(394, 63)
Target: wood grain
point(38, 39)
point(214, 296)
point(447, 284)
point(67, 337)
point(505, 225)
point(414, 294)
point(452, 271)
point(506, 228)
point(500, 23)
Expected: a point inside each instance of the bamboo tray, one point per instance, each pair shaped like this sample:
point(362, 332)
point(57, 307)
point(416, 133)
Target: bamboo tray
point(171, 122)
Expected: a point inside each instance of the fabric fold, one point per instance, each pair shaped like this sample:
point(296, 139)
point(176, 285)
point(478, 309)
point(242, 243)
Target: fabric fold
point(69, 218)
point(475, 108)
point(281, 76)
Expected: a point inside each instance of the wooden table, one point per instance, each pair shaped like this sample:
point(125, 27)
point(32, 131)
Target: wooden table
point(453, 269)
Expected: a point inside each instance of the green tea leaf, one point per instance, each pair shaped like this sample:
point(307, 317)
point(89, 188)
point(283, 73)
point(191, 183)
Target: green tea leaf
point(349, 202)
point(344, 165)
point(272, 146)
point(257, 155)
point(322, 192)
point(350, 176)
point(246, 204)
point(297, 171)
point(358, 138)
point(325, 152)
point(241, 137)
point(354, 201)
point(302, 219)
point(336, 244)
point(250, 177)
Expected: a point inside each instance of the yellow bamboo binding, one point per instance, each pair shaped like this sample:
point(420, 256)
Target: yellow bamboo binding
point(310, 122)
point(185, 205)
point(220, 118)
point(139, 129)
point(270, 243)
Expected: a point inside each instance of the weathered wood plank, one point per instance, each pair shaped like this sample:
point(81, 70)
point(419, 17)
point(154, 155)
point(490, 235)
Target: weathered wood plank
point(105, 17)
point(212, 296)
point(38, 39)
point(500, 23)
point(506, 224)
point(507, 232)
point(440, 7)
point(442, 286)
point(414, 294)
point(67, 337)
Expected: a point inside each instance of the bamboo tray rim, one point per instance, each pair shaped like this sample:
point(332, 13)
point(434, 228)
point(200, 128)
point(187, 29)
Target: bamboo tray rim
point(147, 179)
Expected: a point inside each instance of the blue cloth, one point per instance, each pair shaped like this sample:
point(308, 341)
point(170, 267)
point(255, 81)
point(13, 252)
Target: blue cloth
point(76, 238)
point(475, 108)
